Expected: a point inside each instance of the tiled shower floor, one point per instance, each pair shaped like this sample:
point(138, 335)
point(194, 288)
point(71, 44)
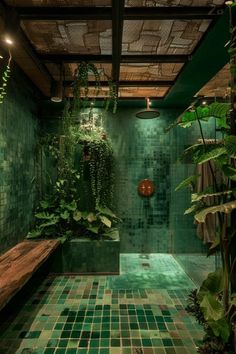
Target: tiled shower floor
point(141, 311)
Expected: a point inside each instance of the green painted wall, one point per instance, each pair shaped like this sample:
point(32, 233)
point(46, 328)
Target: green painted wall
point(143, 150)
point(18, 136)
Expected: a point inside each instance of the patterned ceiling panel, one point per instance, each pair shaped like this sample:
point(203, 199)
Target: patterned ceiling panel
point(218, 85)
point(80, 3)
point(69, 69)
point(156, 3)
point(162, 37)
point(143, 91)
point(81, 37)
point(92, 93)
point(161, 71)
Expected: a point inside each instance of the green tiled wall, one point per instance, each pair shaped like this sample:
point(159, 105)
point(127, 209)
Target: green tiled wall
point(143, 150)
point(18, 133)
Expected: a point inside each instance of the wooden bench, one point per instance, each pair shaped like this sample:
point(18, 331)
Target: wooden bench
point(19, 264)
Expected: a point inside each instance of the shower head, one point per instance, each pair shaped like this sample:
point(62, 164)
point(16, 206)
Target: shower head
point(147, 113)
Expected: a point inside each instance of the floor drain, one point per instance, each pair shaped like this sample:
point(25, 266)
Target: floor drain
point(145, 265)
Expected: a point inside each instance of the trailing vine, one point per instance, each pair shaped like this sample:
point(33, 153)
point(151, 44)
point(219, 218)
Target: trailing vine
point(81, 88)
point(4, 79)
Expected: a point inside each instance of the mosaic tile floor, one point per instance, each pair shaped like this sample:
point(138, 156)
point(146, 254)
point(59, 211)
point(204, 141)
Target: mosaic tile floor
point(140, 311)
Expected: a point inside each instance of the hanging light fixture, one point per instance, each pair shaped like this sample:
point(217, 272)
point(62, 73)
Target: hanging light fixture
point(57, 87)
point(148, 113)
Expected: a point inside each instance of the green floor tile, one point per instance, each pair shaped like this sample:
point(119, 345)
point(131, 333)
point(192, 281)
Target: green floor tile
point(134, 310)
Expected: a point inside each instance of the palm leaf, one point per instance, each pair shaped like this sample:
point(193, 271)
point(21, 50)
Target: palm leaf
point(219, 110)
point(229, 171)
point(210, 155)
point(221, 208)
point(186, 182)
point(230, 145)
point(216, 110)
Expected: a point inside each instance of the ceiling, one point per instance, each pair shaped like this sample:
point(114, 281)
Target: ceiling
point(147, 47)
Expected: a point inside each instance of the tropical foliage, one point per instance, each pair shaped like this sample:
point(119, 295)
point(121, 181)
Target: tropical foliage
point(61, 212)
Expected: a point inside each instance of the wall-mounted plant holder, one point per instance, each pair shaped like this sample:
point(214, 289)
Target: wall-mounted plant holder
point(146, 188)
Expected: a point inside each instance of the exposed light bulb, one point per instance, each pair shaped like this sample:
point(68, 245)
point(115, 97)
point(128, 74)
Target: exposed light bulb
point(8, 40)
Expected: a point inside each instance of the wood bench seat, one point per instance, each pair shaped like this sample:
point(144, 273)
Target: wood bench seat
point(19, 263)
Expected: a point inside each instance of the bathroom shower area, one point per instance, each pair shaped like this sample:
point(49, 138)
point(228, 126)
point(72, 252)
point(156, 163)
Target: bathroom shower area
point(117, 177)
point(135, 305)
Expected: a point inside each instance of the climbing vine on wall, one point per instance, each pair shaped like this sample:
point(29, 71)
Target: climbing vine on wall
point(4, 79)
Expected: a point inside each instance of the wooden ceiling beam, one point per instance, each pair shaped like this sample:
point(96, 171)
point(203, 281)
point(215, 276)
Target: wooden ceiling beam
point(117, 32)
point(130, 13)
point(172, 13)
point(125, 59)
point(133, 83)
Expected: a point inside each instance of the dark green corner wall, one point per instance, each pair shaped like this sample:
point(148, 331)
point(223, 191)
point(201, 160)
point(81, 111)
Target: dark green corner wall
point(18, 136)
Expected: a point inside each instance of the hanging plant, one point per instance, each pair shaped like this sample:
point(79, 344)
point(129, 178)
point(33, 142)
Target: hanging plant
point(4, 79)
point(98, 160)
point(81, 98)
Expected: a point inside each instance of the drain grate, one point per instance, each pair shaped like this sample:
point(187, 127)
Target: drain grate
point(145, 265)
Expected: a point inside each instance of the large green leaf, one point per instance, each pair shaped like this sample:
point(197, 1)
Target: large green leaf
point(105, 220)
point(215, 109)
point(106, 211)
point(230, 145)
point(186, 182)
point(229, 171)
point(221, 208)
point(219, 109)
point(212, 309)
point(112, 233)
point(93, 229)
point(220, 328)
point(211, 155)
point(213, 284)
point(199, 196)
